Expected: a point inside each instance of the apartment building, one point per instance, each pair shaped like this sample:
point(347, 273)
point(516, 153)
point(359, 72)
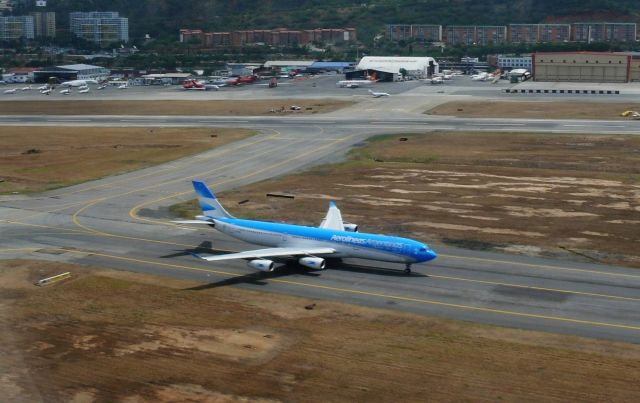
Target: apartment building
point(535, 33)
point(604, 32)
point(273, 37)
point(100, 27)
point(16, 28)
point(44, 24)
point(418, 32)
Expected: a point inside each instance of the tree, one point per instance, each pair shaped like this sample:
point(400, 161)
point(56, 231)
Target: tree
point(403, 72)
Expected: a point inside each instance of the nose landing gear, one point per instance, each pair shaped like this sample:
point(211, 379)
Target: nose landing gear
point(407, 269)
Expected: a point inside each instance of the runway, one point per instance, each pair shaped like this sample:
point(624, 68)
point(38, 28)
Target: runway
point(383, 123)
point(120, 222)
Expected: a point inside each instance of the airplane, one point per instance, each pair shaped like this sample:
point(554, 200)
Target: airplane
point(84, 90)
point(437, 80)
point(309, 245)
point(11, 91)
point(27, 88)
point(101, 87)
point(123, 86)
point(481, 77)
point(198, 85)
point(43, 88)
point(354, 83)
point(78, 83)
point(66, 91)
point(379, 94)
point(46, 91)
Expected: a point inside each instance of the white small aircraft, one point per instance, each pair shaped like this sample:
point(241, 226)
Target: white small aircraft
point(46, 91)
point(379, 94)
point(11, 91)
point(44, 87)
point(27, 88)
point(310, 246)
point(354, 83)
point(123, 86)
point(101, 87)
point(65, 91)
point(436, 80)
point(481, 77)
point(84, 90)
point(78, 83)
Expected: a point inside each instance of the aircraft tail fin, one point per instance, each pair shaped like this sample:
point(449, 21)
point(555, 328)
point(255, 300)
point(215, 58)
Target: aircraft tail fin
point(208, 202)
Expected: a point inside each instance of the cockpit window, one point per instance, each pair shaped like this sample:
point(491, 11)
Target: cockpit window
point(423, 249)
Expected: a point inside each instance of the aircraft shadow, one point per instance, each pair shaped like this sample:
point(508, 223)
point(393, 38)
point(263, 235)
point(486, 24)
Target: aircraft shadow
point(204, 247)
point(258, 278)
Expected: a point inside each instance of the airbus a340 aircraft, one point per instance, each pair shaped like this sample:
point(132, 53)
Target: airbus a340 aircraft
point(309, 245)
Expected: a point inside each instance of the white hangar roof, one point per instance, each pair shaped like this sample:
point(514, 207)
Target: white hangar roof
point(393, 64)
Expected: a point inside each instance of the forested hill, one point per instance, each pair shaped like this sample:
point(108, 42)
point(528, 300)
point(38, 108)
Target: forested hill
point(164, 17)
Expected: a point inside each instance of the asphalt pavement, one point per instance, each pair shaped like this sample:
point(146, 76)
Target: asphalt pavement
point(121, 222)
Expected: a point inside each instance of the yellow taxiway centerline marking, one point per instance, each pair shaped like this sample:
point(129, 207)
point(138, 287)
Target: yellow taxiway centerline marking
point(372, 294)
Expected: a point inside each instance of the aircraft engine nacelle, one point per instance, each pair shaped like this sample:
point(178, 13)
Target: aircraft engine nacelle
point(317, 263)
point(261, 264)
point(351, 227)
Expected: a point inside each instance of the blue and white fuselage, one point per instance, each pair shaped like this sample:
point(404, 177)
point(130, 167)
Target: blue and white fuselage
point(346, 244)
point(310, 245)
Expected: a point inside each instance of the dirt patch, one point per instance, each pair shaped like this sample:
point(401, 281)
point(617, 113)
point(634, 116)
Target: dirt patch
point(497, 189)
point(537, 110)
point(69, 155)
point(173, 108)
point(137, 338)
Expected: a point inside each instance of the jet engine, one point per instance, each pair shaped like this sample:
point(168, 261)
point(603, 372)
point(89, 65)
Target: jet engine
point(312, 262)
point(351, 227)
point(261, 264)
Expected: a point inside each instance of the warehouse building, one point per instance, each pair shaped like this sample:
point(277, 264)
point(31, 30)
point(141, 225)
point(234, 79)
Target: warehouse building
point(592, 67)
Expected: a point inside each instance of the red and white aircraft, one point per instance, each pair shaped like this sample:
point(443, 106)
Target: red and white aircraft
point(198, 85)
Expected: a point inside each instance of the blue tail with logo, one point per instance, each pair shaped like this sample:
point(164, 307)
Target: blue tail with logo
point(208, 201)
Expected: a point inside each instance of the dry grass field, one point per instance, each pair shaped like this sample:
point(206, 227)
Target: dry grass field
point(173, 107)
point(557, 195)
point(535, 110)
point(41, 158)
point(115, 336)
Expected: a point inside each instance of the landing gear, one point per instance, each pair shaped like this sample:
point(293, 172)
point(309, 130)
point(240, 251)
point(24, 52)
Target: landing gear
point(407, 269)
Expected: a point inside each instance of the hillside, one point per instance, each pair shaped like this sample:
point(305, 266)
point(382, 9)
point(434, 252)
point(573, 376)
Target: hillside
point(164, 17)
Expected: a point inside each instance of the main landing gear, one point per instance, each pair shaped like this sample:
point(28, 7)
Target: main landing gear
point(407, 269)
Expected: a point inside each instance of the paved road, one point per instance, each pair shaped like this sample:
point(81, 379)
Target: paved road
point(117, 222)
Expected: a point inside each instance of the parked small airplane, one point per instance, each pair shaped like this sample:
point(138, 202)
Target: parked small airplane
point(481, 76)
point(66, 91)
point(43, 88)
point(309, 245)
point(11, 91)
point(46, 91)
point(84, 90)
point(101, 87)
point(354, 83)
point(27, 88)
point(78, 83)
point(198, 85)
point(436, 80)
point(379, 94)
point(123, 86)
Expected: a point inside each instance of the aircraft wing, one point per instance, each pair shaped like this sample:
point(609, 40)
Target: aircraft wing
point(269, 252)
point(333, 219)
point(193, 222)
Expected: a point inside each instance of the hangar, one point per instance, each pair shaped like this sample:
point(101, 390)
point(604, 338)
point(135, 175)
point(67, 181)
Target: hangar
point(71, 72)
point(592, 67)
point(386, 65)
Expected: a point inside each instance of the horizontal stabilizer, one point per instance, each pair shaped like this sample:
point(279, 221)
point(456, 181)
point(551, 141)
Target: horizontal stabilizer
point(193, 222)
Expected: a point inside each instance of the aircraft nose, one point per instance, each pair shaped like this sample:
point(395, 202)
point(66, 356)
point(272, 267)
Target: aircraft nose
point(430, 255)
